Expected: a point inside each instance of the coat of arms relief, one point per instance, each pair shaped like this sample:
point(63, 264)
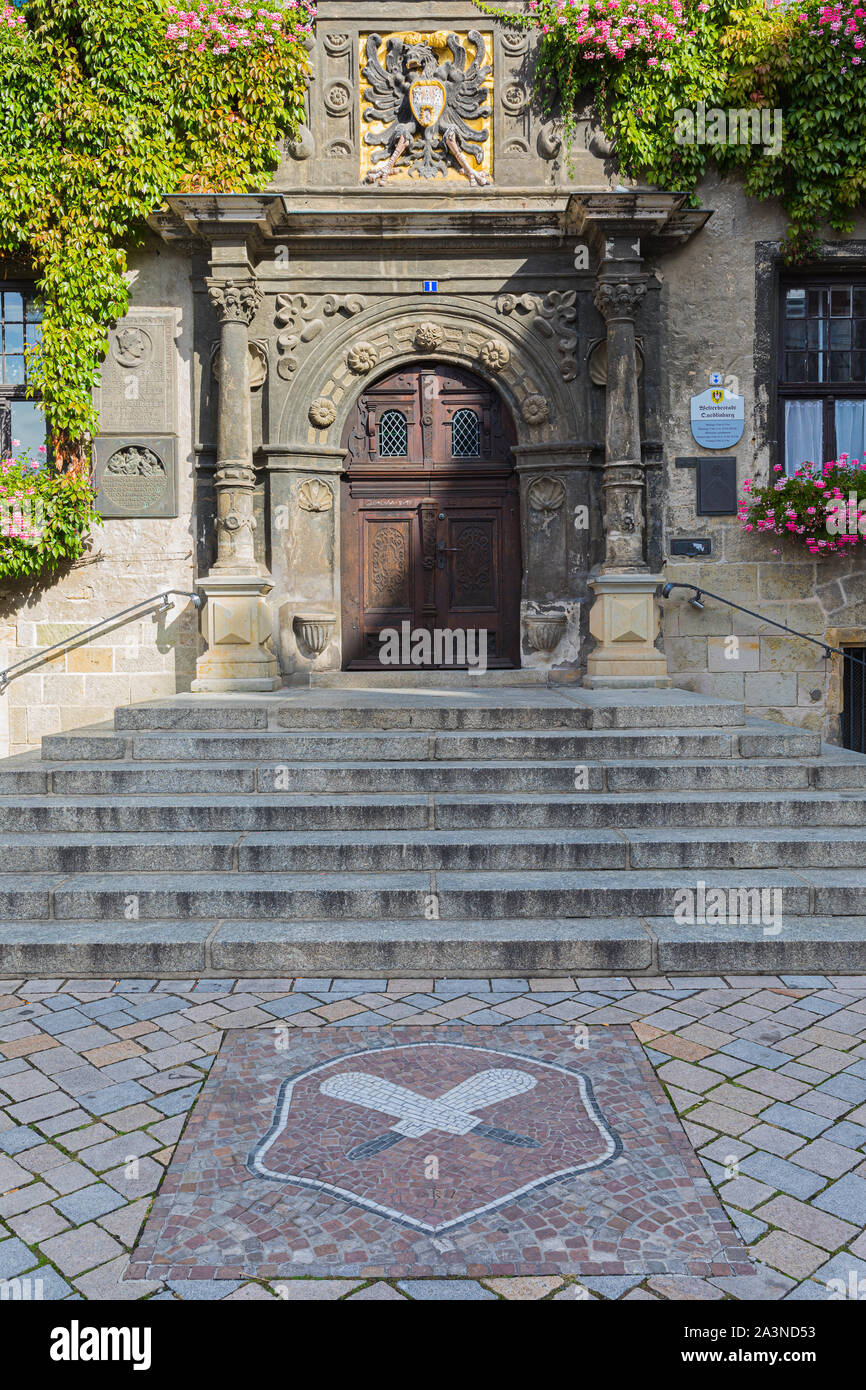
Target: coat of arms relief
point(427, 107)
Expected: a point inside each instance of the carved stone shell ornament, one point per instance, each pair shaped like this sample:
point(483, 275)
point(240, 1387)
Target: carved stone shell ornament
point(495, 355)
point(428, 337)
point(362, 358)
point(546, 494)
point(535, 410)
point(322, 412)
point(315, 496)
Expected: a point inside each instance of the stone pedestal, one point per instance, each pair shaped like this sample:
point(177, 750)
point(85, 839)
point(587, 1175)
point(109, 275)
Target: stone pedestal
point(236, 620)
point(624, 619)
point(625, 623)
point(237, 623)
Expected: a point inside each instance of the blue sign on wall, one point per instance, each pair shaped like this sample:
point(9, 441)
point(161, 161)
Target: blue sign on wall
point(431, 286)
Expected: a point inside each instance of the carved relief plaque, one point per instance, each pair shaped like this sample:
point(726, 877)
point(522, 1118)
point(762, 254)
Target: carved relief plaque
point(137, 391)
point(135, 476)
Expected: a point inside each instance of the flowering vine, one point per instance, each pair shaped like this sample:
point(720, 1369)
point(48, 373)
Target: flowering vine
point(637, 63)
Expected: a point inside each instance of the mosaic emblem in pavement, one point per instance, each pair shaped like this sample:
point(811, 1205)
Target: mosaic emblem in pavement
point(498, 1124)
point(451, 1150)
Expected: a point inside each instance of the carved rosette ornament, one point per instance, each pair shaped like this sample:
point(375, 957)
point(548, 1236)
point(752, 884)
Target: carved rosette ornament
point(323, 412)
point(428, 337)
point(535, 409)
point(494, 355)
point(362, 358)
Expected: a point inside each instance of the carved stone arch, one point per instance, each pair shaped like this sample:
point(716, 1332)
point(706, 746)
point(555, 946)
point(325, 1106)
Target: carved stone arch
point(515, 362)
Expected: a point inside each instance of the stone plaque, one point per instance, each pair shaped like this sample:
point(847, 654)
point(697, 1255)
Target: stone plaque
point(136, 476)
point(137, 391)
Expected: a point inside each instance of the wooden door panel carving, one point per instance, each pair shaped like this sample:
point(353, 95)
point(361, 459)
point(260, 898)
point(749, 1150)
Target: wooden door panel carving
point(430, 535)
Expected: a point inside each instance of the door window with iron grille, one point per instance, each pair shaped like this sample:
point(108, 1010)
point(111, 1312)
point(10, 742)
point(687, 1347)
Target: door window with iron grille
point(822, 370)
point(21, 419)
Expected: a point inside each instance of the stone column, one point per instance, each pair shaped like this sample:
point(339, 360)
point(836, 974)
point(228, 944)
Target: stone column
point(237, 620)
point(624, 619)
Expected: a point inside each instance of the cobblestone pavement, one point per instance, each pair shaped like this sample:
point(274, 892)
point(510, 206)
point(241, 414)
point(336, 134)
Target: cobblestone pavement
point(768, 1074)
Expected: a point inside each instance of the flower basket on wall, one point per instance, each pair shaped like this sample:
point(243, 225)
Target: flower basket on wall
point(45, 517)
point(820, 506)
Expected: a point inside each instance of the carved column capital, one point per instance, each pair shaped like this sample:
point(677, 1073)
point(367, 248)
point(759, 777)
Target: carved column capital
point(235, 302)
point(619, 299)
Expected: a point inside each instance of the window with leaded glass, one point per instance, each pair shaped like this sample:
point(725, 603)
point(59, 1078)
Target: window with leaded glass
point(465, 435)
point(20, 418)
point(822, 370)
point(393, 435)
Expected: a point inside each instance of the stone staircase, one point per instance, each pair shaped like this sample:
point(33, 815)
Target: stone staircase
point(470, 831)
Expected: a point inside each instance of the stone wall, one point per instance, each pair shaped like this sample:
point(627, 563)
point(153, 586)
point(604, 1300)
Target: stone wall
point(717, 298)
point(130, 558)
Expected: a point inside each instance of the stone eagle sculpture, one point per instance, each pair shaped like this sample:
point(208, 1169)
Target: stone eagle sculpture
point(425, 105)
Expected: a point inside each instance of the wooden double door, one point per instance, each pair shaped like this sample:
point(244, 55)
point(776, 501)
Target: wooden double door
point(430, 519)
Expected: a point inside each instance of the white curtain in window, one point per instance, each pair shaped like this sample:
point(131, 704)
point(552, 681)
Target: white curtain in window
point(803, 434)
point(851, 429)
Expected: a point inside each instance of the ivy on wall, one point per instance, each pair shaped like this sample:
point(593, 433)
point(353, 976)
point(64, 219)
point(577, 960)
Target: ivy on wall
point(655, 70)
point(105, 107)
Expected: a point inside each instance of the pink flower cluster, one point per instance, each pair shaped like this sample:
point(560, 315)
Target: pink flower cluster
point(223, 26)
point(844, 25)
point(18, 514)
point(617, 28)
point(825, 502)
point(10, 17)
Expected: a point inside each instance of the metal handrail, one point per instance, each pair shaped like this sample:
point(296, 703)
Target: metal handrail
point(12, 672)
point(804, 637)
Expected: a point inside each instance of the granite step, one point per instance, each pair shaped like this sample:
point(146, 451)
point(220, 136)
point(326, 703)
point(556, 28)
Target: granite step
point(380, 746)
point(553, 776)
point(519, 811)
point(441, 895)
point(471, 709)
point(420, 948)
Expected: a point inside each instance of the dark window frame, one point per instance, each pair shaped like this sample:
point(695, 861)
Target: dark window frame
point(825, 277)
point(10, 391)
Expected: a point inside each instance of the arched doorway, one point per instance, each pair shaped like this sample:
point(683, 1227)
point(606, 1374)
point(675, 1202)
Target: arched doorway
point(430, 515)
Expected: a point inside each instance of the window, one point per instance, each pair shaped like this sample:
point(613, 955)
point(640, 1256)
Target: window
point(393, 435)
point(20, 418)
point(822, 370)
point(465, 435)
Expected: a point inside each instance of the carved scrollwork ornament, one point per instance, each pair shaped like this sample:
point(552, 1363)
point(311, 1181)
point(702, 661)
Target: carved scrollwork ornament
point(618, 299)
point(235, 302)
point(362, 358)
point(494, 355)
point(322, 412)
point(535, 409)
point(428, 337)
